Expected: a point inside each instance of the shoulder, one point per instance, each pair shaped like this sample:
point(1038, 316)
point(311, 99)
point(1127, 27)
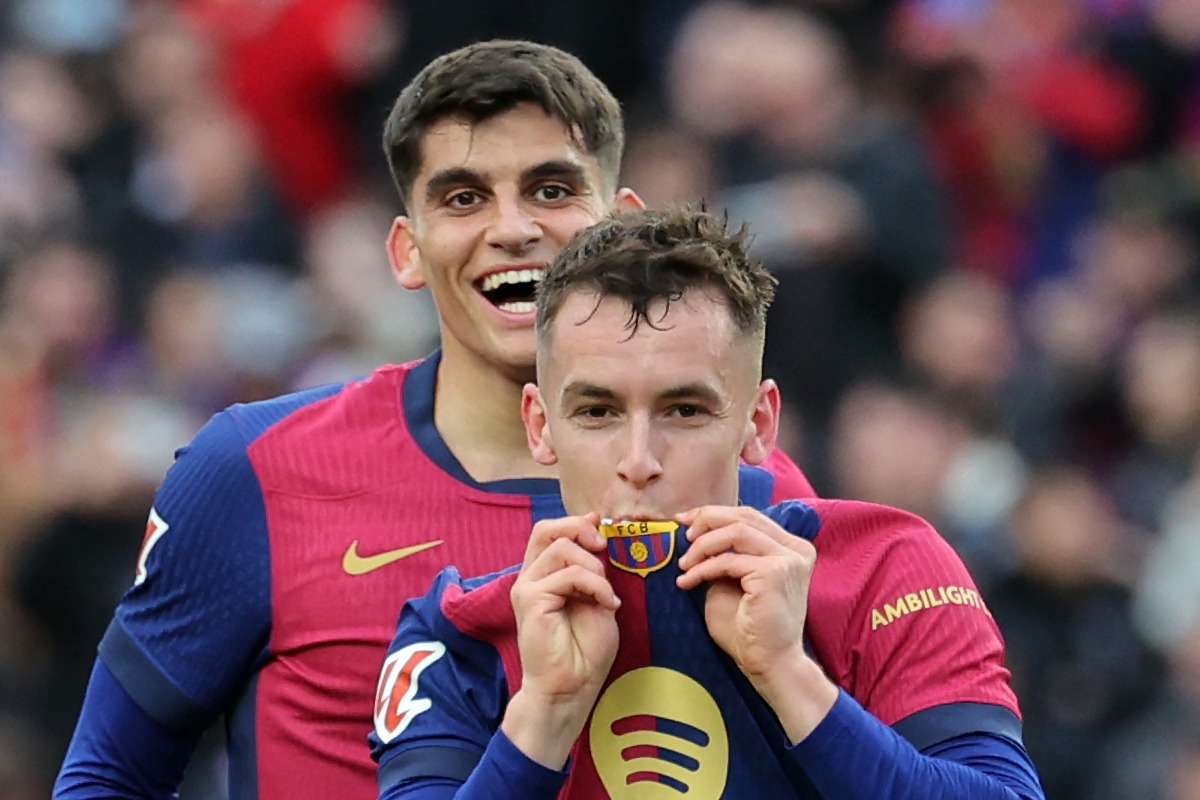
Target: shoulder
point(860, 527)
point(323, 409)
point(456, 607)
point(314, 441)
point(869, 555)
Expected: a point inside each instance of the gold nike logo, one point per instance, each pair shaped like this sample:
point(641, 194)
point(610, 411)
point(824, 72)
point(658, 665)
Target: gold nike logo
point(354, 564)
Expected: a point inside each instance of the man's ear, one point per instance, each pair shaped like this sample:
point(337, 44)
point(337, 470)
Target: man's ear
point(403, 254)
point(627, 200)
point(537, 426)
point(762, 429)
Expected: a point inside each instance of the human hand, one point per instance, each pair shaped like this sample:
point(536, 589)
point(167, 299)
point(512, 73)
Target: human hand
point(759, 574)
point(566, 634)
point(756, 607)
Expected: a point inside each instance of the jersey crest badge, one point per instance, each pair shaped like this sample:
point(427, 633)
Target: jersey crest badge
point(396, 700)
point(640, 547)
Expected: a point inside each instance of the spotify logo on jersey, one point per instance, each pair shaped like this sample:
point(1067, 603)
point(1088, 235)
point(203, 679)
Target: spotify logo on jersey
point(657, 733)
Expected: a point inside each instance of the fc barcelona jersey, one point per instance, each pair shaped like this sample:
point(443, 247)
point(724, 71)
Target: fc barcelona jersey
point(676, 713)
point(282, 545)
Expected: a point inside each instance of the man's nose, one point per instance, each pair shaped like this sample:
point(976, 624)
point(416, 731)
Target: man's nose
point(641, 464)
point(513, 227)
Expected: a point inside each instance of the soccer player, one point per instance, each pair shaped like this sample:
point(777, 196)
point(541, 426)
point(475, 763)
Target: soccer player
point(287, 533)
point(825, 649)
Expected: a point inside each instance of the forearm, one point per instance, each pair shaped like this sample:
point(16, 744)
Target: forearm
point(799, 693)
point(544, 731)
point(502, 773)
point(851, 755)
point(118, 751)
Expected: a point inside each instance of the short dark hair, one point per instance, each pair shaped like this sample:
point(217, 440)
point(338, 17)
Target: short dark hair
point(650, 255)
point(485, 79)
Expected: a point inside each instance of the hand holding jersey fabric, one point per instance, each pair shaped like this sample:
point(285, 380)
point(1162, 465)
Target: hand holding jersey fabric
point(567, 637)
point(759, 575)
point(756, 604)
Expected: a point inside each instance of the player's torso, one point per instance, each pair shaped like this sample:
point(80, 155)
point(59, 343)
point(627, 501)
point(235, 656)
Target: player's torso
point(676, 717)
point(353, 534)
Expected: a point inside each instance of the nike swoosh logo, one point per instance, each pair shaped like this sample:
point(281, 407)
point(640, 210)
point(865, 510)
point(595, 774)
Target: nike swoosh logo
point(354, 564)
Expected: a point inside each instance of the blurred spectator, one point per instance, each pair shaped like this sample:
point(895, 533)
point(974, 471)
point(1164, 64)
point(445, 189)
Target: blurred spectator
point(1078, 664)
point(365, 318)
point(199, 199)
point(959, 338)
point(1161, 46)
point(1161, 389)
point(894, 447)
point(1168, 597)
point(670, 163)
point(904, 448)
point(1154, 756)
point(58, 346)
point(846, 210)
point(1025, 113)
point(218, 337)
point(40, 112)
point(111, 455)
point(292, 67)
point(196, 192)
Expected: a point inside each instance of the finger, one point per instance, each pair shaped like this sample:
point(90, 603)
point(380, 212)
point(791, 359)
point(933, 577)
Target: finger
point(560, 554)
point(582, 530)
point(736, 537)
point(570, 583)
point(726, 566)
point(705, 518)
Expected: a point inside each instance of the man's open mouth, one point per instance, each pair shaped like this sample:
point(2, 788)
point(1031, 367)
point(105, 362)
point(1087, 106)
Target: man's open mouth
point(511, 290)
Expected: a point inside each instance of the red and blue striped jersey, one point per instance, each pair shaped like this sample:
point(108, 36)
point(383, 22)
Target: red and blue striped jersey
point(281, 546)
point(893, 618)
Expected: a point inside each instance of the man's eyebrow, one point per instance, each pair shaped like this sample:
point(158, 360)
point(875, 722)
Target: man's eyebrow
point(449, 179)
point(686, 391)
point(557, 168)
point(692, 391)
point(588, 391)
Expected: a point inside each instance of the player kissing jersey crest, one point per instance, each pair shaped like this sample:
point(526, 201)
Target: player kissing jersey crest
point(676, 717)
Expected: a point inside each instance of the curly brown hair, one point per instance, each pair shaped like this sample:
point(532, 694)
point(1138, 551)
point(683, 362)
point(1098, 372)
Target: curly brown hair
point(647, 255)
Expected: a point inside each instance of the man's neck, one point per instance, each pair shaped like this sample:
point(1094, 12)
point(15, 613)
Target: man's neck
point(477, 411)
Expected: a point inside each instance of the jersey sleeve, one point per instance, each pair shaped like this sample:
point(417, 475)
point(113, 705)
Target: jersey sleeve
point(851, 755)
point(897, 621)
point(441, 694)
point(117, 751)
point(188, 632)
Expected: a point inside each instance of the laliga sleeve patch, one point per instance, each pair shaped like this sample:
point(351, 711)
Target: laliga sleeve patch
point(155, 528)
point(396, 701)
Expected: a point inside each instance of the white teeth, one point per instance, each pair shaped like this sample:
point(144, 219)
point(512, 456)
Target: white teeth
point(497, 279)
point(517, 308)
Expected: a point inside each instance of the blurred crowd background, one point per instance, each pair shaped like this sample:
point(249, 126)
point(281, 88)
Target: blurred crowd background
point(984, 215)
